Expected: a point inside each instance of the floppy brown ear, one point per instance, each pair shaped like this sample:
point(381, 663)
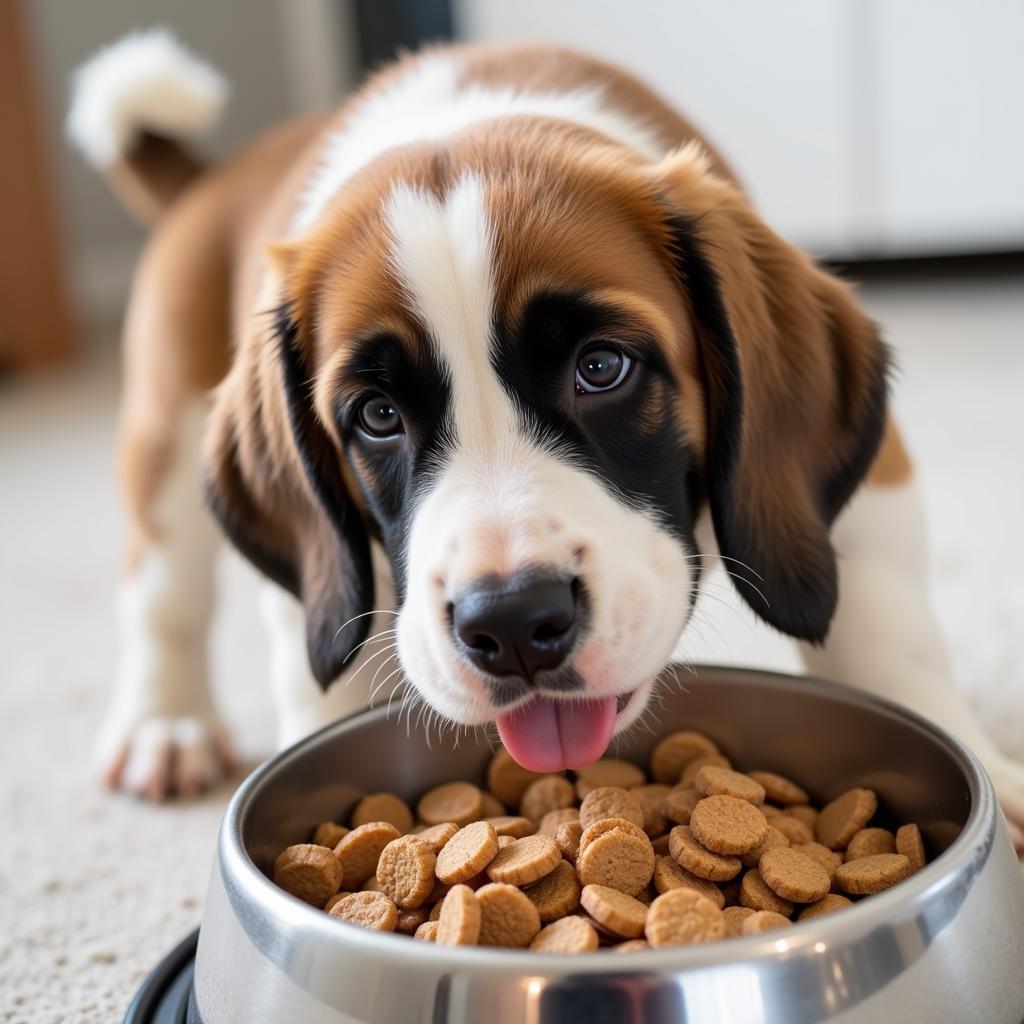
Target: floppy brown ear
point(273, 478)
point(796, 382)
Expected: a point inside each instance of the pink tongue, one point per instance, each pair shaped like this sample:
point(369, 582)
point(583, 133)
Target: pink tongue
point(549, 735)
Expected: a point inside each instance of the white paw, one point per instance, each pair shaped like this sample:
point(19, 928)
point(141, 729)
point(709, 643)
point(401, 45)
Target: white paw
point(160, 756)
point(1008, 779)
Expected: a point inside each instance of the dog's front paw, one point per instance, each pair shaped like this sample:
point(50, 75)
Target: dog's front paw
point(160, 756)
point(1008, 779)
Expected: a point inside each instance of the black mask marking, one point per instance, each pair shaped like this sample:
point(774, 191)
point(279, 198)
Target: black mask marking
point(642, 457)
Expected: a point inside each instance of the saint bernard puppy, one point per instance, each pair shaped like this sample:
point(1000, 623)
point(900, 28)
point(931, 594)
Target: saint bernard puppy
point(480, 371)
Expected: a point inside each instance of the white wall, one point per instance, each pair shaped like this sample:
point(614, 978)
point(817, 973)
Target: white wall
point(861, 127)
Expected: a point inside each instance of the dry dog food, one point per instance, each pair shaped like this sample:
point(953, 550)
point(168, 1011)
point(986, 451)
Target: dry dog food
point(607, 859)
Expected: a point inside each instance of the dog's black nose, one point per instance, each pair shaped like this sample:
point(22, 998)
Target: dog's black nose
point(517, 627)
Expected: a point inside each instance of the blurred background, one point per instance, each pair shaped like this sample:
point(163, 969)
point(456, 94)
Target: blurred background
point(885, 136)
point(864, 129)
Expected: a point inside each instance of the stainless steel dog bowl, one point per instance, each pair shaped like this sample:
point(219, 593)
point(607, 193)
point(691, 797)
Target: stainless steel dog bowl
point(945, 945)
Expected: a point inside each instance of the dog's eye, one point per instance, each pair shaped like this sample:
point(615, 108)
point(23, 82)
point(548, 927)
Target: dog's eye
point(601, 368)
point(378, 417)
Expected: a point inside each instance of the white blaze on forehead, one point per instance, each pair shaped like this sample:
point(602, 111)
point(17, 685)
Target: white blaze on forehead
point(442, 253)
point(428, 101)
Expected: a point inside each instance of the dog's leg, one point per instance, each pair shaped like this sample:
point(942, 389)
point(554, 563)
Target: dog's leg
point(302, 706)
point(885, 638)
point(162, 733)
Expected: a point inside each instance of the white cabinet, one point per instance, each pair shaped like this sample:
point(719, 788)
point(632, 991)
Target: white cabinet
point(950, 123)
point(860, 127)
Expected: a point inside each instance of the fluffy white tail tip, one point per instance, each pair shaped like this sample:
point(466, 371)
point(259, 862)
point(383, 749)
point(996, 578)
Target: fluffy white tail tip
point(146, 81)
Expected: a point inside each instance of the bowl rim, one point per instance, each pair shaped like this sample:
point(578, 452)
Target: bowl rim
point(819, 935)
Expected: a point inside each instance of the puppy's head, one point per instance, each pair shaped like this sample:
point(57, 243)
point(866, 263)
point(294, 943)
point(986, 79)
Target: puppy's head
point(526, 366)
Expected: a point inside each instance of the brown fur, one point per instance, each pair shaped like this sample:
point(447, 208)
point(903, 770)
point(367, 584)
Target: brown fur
point(808, 357)
point(892, 467)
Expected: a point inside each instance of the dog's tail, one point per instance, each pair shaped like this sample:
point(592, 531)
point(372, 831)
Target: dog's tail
point(136, 107)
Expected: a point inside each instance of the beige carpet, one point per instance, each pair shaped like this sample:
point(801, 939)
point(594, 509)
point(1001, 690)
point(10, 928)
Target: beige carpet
point(94, 889)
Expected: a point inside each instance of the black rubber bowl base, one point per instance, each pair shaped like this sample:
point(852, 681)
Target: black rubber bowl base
point(163, 997)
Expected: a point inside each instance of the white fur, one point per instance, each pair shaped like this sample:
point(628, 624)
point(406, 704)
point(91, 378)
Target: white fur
point(428, 101)
point(145, 81)
point(885, 638)
point(507, 499)
point(162, 730)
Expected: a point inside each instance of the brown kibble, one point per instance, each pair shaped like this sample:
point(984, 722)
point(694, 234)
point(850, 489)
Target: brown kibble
point(826, 905)
point(734, 918)
point(568, 839)
point(675, 752)
point(508, 918)
point(599, 828)
point(911, 845)
point(869, 841)
point(383, 807)
point(764, 921)
point(360, 850)
point(872, 874)
point(373, 910)
point(514, 826)
point(680, 917)
point(604, 802)
point(803, 813)
point(491, 806)
point(609, 771)
point(727, 825)
point(554, 820)
point(756, 894)
point(669, 875)
point(467, 853)
point(621, 914)
point(713, 780)
point(410, 920)
point(618, 859)
point(568, 935)
point(548, 793)
point(459, 921)
point(650, 796)
point(309, 872)
point(525, 861)
point(780, 790)
point(773, 839)
point(556, 894)
point(328, 834)
point(437, 836)
point(336, 898)
point(698, 860)
point(461, 802)
point(793, 875)
point(841, 819)
point(405, 871)
point(793, 829)
point(677, 805)
point(691, 771)
point(605, 859)
point(507, 779)
point(828, 859)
